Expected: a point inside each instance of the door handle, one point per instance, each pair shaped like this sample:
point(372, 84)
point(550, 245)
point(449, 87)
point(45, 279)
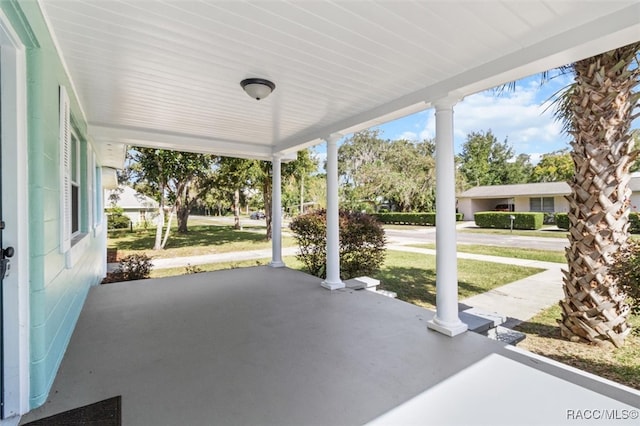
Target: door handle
point(8, 252)
point(5, 262)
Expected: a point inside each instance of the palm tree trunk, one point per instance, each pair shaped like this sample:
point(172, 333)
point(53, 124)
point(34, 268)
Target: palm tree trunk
point(598, 114)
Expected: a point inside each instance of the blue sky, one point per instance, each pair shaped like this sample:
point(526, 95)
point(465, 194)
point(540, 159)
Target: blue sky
point(520, 116)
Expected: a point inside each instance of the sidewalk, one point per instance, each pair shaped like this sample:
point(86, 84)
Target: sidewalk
point(518, 301)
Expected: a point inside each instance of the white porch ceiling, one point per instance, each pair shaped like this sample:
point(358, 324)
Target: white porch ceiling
point(167, 73)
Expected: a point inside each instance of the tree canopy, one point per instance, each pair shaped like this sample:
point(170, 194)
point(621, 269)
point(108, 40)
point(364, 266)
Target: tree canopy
point(485, 161)
point(173, 178)
point(553, 167)
point(374, 171)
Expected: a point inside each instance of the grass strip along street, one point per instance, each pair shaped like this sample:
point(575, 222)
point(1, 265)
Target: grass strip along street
point(518, 253)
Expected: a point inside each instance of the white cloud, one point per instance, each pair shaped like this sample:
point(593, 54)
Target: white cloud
point(519, 116)
point(408, 135)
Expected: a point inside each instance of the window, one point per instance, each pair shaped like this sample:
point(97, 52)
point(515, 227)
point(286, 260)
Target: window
point(72, 182)
point(65, 172)
point(542, 204)
point(75, 184)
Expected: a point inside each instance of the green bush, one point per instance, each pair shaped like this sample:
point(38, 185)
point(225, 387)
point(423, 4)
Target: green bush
point(562, 220)
point(132, 267)
point(502, 220)
point(626, 271)
point(634, 223)
point(116, 218)
point(399, 218)
point(362, 243)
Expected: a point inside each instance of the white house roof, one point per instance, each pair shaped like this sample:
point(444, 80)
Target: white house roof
point(549, 189)
point(167, 74)
point(131, 199)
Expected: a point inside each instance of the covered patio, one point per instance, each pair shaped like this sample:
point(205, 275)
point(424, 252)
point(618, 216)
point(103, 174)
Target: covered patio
point(270, 346)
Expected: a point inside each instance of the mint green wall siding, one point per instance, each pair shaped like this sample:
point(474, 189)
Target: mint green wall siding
point(57, 292)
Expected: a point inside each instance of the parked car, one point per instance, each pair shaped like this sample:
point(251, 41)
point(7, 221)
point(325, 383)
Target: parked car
point(257, 215)
point(504, 208)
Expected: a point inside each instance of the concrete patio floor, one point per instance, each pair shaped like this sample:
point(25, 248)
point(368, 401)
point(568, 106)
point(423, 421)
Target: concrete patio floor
point(265, 346)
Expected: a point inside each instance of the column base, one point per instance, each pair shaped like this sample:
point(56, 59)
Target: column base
point(277, 264)
point(332, 285)
point(449, 328)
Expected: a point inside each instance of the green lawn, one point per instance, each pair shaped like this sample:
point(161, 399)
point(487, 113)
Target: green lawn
point(621, 365)
point(201, 239)
point(518, 253)
point(548, 233)
point(413, 276)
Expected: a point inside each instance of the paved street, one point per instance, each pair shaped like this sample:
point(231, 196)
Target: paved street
point(428, 235)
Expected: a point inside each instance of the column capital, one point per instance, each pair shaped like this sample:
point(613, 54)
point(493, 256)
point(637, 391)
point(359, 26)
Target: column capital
point(276, 156)
point(333, 138)
point(448, 101)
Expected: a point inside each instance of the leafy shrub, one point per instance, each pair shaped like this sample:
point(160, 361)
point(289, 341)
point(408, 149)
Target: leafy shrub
point(116, 218)
point(502, 220)
point(562, 220)
point(400, 218)
point(310, 231)
point(131, 267)
point(362, 243)
point(634, 223)
point(626, 271)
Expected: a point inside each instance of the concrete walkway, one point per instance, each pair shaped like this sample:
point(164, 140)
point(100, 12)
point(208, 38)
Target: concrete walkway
point(519, 300)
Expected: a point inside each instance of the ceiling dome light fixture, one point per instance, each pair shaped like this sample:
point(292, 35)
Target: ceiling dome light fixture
point(257, 88)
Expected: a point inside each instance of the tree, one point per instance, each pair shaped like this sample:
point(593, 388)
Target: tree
point(234, 175)
point(556, 166)
point(597, 111)
point(374, 170)
point(360, 166)
point(485, 161)
point(298, 172)
point(172, 177)
point(408, 176)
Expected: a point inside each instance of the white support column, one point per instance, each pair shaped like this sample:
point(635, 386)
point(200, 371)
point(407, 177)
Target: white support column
point(333, 281)
point(276, 213)
point(446, 320)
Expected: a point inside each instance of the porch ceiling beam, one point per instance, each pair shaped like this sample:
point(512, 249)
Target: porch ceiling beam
point(614, 30)
point(178, 141)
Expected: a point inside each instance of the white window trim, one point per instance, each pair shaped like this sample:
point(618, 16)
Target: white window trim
point(91, 185)
point(77, 182)
point(65, 171)
point(16, 207)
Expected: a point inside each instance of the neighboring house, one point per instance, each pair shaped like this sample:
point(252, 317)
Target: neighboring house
point(548, 197)
point(139, 208)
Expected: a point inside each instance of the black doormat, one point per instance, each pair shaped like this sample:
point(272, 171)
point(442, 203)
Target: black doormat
point(103, 413)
